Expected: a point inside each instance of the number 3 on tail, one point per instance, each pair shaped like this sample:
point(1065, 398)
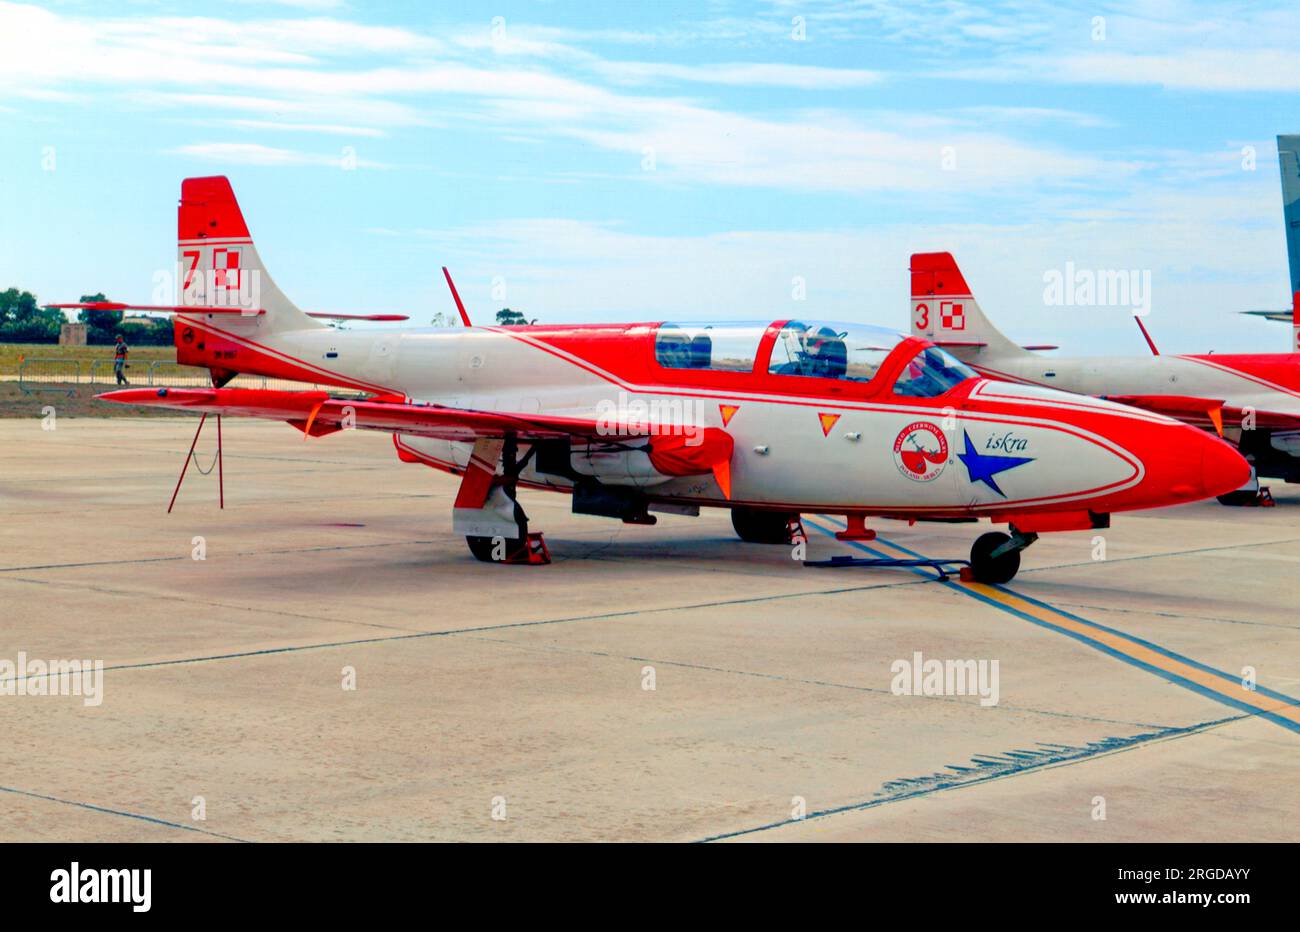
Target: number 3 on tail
point(922, 317)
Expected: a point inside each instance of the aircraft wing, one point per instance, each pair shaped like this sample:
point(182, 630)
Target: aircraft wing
point(386, 413)
point(1213, 410)
point(679, 450)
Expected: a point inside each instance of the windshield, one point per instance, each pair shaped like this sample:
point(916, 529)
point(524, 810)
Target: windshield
point(931, 372)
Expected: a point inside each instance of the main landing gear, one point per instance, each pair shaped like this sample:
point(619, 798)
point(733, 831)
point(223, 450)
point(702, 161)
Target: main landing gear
point(995, 557)
point(530, 550)
point(488, 507)
point(1252, 493)
point(1246, 498)
point(764, 527)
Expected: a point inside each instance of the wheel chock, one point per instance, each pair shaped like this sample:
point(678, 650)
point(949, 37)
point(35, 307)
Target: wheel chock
point(534, 552)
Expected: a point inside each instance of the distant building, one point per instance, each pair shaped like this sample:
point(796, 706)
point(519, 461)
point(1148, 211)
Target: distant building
point(72, 335)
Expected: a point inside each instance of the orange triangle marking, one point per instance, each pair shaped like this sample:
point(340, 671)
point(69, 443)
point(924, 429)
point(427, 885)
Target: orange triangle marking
point(728, 412)
point(1216, 416)
point(722, 472)
point(828, 421)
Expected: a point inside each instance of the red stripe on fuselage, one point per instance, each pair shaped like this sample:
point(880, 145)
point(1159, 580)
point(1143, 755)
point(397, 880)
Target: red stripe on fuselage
point(1261, 368)
point(274, 360)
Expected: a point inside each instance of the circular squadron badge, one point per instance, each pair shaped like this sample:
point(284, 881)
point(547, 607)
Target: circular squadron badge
point(921, 451)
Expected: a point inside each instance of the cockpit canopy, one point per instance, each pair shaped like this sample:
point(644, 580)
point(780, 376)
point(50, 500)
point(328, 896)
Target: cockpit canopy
point(847, 352)
point(721, 347)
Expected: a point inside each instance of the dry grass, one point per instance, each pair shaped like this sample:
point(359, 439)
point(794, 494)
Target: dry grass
point(12, 353)
point(81, 403)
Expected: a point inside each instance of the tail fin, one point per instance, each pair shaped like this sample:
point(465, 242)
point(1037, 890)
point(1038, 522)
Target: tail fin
point(945, 311)
point(1288, 157)
point(1295, 322)
point(219, 264)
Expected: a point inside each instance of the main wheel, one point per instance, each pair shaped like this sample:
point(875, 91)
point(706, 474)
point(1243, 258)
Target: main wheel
point(988, 568)
point(1238, 498)
point(762, 527)
point(483, 547)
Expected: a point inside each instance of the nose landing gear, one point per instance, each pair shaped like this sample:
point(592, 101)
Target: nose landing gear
point(995, 557)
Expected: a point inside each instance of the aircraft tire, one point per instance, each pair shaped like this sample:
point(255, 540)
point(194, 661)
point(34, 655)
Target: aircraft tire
point(761, 527)
point(1238, 498)
point(989, 569)
point(482, 547)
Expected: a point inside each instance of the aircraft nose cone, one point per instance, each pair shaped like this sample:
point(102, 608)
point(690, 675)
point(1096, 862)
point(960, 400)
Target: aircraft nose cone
point(1222, 468)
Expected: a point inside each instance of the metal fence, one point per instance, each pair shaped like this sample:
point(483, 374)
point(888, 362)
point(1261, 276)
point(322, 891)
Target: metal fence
point(63, 375)
point(48, 375)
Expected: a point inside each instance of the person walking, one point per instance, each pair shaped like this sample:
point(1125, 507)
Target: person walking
point(119, 360)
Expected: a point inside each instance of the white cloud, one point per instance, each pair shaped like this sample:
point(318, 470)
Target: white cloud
point(331, 129)
point(823, 151)
point(1197, 69)
point(367, 111)
point(191, 63)
point(1033, 115)
point(741, 74)
point(299, 4)
point(1206, 259)
point(247, 153)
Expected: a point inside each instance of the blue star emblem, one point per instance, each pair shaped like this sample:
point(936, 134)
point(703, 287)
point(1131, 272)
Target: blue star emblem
point(982, 467)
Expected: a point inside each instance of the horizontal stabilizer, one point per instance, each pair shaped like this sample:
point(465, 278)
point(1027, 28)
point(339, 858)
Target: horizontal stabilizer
point(161, 308)
point(374, 317)
point(209, 309)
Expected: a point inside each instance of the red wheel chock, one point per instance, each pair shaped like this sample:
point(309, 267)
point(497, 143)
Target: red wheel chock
point(533, 553)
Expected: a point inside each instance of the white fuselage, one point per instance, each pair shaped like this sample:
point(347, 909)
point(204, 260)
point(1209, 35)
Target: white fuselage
point(785, 455)
point(1144, 375)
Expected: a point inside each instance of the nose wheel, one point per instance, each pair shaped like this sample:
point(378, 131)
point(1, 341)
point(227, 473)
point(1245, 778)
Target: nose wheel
point(995, 557)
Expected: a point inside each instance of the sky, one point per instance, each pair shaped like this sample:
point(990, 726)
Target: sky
point(584, 161)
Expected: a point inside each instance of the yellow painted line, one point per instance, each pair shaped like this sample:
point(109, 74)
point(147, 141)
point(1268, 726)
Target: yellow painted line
point(1214, 684)
point(1138, 652)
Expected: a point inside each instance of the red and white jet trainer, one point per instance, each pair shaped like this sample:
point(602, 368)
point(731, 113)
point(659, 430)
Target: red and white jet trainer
point(767, 419)
point(1252, 399)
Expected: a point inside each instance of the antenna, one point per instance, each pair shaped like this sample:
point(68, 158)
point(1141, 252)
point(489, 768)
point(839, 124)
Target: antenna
point(1142, 327)
point(459, 306)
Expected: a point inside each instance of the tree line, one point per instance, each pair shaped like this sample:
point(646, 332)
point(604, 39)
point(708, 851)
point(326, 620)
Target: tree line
point(23, 320)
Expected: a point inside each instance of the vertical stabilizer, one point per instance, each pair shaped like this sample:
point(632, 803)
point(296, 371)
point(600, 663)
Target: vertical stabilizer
point(219, 264)
point(945, 311)
point(1288, 157)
